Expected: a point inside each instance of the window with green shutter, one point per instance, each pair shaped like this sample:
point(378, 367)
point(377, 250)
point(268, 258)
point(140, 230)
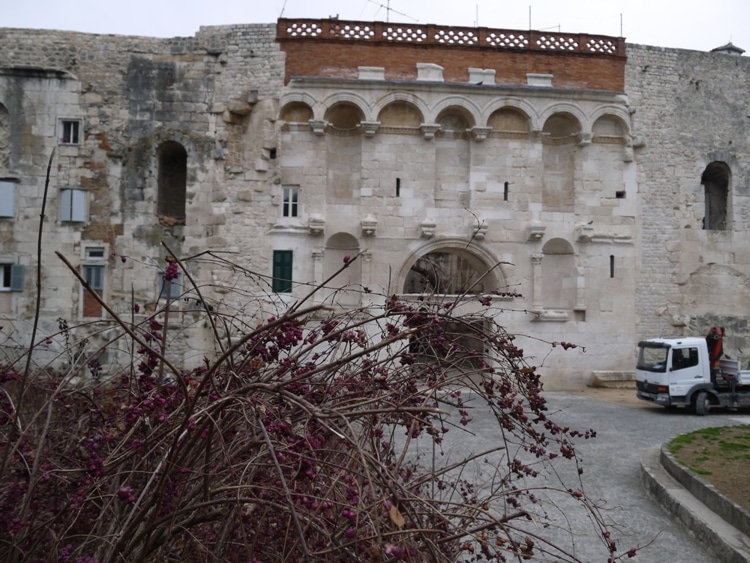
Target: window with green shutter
point(282, 271)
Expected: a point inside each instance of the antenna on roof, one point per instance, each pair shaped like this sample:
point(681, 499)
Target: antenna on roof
point(388, 11)
point(282, 9)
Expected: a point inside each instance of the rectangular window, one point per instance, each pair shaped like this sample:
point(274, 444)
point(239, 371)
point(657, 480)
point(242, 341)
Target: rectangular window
point(73, 205)
point(291, 197)
point(174, 287)
point(282, 271)
point(69, 131)
point(11, 277)
point(7, 198)
point(94, 274)
point(94, 253)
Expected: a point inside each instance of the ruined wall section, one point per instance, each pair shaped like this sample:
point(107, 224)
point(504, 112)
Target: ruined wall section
point(692, 109)
point(214, 94)
point(249, 81)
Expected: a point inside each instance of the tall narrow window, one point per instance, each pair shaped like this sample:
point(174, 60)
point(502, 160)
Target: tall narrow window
point(93, 272)
point(282, 271)
point(94, 275)
point(172, 180)
point(291, 200)
point(611, 266)
point(398, 187)
point(506, 189)
point(69, 131)
point(715, 181)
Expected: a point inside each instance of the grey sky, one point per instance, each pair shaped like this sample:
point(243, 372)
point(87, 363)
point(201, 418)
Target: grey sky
point(686, 24)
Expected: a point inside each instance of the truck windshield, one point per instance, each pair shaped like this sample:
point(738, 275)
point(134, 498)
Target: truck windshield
point(652, 358)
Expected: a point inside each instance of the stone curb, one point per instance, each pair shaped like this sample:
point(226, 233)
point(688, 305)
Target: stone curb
point(727, 542)
point(705, 492)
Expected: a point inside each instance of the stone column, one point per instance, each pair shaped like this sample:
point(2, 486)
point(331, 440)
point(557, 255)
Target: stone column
point(366, 265)
point(536, 281)
point(317, 258)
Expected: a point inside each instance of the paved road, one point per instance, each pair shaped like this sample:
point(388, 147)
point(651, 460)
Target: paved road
point(612, 474)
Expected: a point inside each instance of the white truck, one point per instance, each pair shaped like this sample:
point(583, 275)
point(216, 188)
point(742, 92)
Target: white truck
point(689, 372)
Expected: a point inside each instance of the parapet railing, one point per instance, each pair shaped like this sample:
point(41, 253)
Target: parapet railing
point(415, 34)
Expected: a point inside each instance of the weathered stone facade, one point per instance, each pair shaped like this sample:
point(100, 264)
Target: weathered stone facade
point(579, 164)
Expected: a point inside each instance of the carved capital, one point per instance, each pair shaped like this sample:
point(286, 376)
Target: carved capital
point(369, 226)
point(429, 130)
point(316, 225)
point(535, 233)
point(318, 126)
point(480, 133)
point(428, 228)
point(369, 128)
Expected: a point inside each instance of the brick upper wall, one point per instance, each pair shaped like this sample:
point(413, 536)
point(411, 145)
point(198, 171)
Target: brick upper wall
point(334, 49)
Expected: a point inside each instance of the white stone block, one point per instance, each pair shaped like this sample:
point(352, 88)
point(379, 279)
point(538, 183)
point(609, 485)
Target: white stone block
point(539, 80)
point(371, 72)
point(429, 72)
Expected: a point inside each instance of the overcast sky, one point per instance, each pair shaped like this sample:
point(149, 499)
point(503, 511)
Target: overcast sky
point(685, 24)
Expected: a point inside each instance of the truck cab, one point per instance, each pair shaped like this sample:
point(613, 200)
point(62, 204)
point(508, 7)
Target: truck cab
point(671, 371)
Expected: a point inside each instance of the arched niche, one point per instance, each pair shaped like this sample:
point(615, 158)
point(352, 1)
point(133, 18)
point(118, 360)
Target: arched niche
point(344, 115)
point(448, 271)
point(455, 120)
point(561, 125)
point(558, 275)
point(345, 290)
point(609, 126)
point(400, 114)
point(508, 119)
point(171, 182)
point(296, 112)
point(716, 181)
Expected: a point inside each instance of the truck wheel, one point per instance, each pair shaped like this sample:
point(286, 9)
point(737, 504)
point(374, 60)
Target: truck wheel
point(702, 404)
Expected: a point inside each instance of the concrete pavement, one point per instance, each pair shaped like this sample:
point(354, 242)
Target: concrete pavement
point(662, 521)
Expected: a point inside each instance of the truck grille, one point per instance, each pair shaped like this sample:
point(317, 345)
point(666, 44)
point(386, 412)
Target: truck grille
point(646, 387)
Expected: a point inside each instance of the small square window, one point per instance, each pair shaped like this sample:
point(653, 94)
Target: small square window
point(291, 200)
point(69, 131)
point(73, 205)
point(174, 287)
point(7, 198)
point(94, 274)
point(11, 277)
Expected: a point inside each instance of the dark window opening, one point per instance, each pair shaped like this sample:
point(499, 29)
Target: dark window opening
point(94, 275)
point(611, 266)
point(620, 194)
point(172, 180)
point(506, 189)
point(272, 154)
point(684, 358)
point(398, 187)
point(11, 277)
point(70, 131)
point(715, 181)
point(282, 271)
point(5, 279)
point(459, 344)
point(447, 272)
